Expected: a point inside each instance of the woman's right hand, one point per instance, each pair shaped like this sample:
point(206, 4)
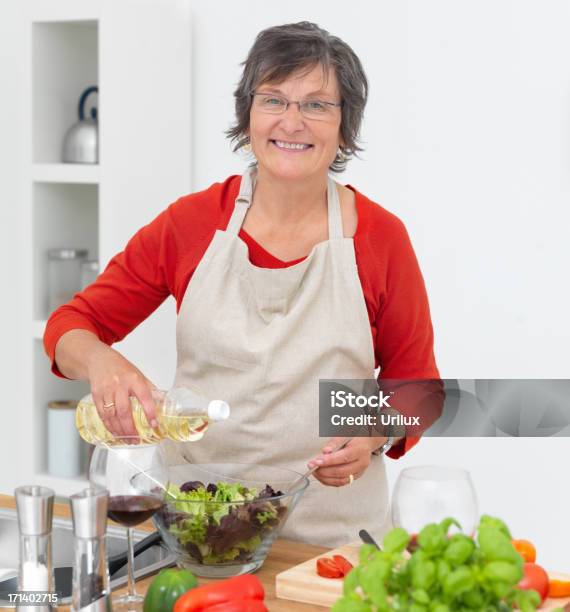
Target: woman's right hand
point(114, 380)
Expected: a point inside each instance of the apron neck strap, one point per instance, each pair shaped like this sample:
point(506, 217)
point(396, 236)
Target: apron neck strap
point(333, 206)
point(243, 201)
point(245, 196)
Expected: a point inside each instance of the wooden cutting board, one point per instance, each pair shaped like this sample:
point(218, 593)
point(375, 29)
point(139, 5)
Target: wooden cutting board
point(302, 583)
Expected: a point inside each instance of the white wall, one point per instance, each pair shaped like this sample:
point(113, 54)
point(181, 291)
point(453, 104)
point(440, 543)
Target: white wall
point(13, 311)
point(468, 141)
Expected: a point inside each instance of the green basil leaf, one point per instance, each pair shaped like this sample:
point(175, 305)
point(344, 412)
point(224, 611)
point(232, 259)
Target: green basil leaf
point(459, 549)
point(396, 540)
point(372, 583)
point(495, 523)
point(423, 575)
point(525, 601)
point(474, 598)
point(446, 524)
point(366, 552)
point(420, 596)
point(351, 581)
point(458, 581)
point(432, 538)
point(442, 569)
point(401, 601)
point(503, 571)
point(500, 590)
point(496, 546)
point(351, 603)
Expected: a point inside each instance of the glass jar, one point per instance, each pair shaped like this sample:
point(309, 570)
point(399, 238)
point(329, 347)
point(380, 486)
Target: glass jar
point(89, 272)
point(64, 275)
point(64, 446)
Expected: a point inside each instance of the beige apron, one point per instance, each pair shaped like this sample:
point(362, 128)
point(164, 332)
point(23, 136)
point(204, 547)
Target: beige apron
point(261, 339)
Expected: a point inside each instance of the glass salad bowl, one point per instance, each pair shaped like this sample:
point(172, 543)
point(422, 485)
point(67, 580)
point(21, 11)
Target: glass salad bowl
point(220, 519)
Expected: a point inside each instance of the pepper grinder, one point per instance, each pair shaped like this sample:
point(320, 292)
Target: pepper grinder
point(91, 589)
point(35, 515)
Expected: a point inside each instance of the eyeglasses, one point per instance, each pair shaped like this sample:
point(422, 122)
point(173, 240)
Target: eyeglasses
point(277, 105)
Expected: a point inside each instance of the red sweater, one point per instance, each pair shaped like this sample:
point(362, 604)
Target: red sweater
point(161, 257)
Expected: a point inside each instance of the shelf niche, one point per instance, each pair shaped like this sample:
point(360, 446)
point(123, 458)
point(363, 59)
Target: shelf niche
point(65, 63)
point(64, 216)
point(48, 388)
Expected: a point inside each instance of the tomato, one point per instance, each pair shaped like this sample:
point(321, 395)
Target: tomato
point(337, 567)
point(413, 543)
point(559, 585)
point(525, 549)
point(534, 578)
point(343, 564)
point(327, 568)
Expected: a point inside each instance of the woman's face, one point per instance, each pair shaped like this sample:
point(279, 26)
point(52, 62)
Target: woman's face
point(270, 134)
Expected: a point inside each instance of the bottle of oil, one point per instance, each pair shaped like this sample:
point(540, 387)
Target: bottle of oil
point(183, 415)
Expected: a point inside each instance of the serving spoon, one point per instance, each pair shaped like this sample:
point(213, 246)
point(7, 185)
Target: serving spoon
point(301, 478)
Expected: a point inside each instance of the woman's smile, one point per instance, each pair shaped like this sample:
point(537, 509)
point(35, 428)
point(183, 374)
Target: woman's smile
point(291, 147)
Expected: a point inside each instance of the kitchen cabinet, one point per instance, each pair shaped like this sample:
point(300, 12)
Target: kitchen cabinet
point(138, 55)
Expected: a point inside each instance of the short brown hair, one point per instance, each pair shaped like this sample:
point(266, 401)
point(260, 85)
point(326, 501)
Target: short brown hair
point(283, 50)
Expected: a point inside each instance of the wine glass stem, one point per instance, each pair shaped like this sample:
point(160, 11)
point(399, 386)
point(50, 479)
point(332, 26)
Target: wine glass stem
point(131, 561)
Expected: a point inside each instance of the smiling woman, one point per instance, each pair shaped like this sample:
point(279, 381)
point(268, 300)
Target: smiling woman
point(281, 277)
point(292, 143)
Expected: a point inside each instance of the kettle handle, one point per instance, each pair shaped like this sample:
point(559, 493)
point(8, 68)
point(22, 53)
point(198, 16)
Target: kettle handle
point(83, 99)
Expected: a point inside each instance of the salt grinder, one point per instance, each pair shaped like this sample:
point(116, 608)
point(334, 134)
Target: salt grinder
point(35, 516)
point(91, 590)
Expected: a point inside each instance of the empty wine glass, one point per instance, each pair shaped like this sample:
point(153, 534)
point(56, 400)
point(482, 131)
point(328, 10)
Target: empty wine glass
point(428, 494)
point(134, 495)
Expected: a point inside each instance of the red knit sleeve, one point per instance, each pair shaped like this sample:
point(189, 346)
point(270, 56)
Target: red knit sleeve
point(404, 341)
point(397, 303)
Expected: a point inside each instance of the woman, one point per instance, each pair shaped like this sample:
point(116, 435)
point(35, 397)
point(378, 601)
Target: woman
point(281, 277)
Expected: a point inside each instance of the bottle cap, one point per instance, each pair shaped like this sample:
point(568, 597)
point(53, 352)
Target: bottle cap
point(89, 512)
point(35, 509)
point(218, 410)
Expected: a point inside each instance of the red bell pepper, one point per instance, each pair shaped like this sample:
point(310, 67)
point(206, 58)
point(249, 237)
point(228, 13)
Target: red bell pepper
point(239, 605)
point(237, 591)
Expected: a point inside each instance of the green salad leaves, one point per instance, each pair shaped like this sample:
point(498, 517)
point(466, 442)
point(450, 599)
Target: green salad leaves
point(221, 522)
point(444, 573)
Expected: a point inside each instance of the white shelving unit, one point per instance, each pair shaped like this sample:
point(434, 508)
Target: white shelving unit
point(66, 173)
point(138, 54)
point(38, 329)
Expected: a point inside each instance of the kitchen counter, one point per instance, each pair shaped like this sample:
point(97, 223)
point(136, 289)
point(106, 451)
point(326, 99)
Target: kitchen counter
point(283, 555)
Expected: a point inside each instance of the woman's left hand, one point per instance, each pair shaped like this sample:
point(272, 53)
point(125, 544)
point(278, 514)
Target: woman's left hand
point(336, 468)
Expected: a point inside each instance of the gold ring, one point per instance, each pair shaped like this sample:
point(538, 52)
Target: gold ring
point(109, 408)
point(350, 479)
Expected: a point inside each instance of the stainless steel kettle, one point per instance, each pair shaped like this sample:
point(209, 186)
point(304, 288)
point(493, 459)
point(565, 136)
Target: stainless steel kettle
point(81, 143)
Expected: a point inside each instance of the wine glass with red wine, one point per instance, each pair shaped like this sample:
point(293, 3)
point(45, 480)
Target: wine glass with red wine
point(135, 475)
